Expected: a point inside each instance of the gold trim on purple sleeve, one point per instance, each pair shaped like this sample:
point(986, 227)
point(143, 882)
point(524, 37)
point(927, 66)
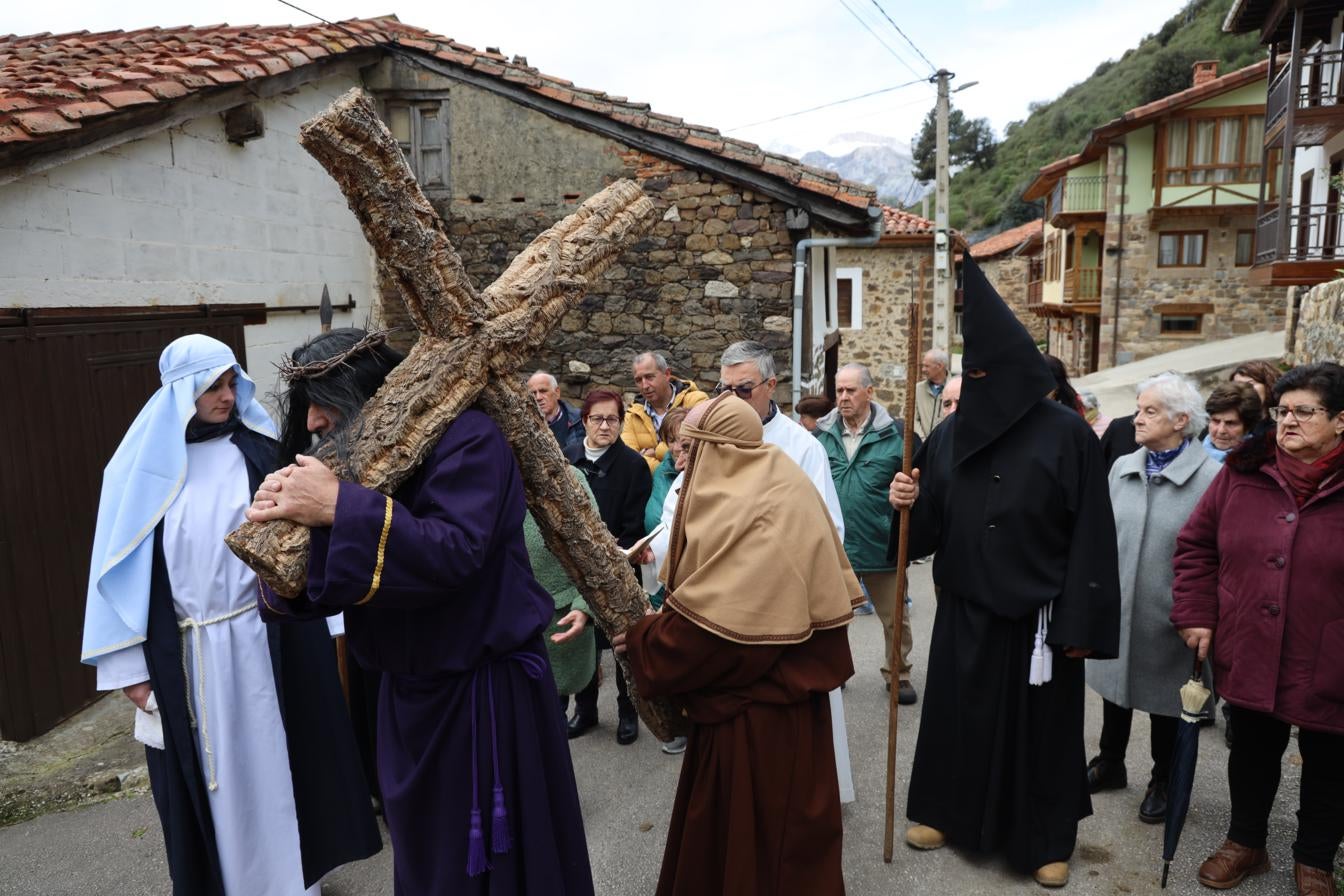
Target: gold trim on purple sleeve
point(382, 550)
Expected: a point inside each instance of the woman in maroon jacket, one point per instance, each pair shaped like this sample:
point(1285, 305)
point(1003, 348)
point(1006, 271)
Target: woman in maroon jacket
point(1260, 583)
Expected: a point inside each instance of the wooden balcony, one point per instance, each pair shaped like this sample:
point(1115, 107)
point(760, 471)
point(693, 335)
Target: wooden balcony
point(1077, 198)
point(1303, 250)
point(1318, 100)
point(1082, 285)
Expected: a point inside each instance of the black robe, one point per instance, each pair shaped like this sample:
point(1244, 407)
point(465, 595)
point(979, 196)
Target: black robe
point(1013, 501)
point(335, 818)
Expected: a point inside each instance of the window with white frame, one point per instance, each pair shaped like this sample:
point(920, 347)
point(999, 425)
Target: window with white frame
point(419, 124)
point(847, 299)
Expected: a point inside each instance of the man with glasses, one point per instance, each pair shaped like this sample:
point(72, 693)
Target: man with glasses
point(748, 369)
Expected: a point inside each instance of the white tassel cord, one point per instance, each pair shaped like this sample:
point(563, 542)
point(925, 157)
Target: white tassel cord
point(1042, 657)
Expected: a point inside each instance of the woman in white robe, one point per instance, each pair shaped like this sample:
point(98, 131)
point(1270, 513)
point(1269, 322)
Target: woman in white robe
point(218, 743)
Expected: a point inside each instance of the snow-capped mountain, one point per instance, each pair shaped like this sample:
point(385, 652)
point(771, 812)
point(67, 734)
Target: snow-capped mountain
point(881, 162)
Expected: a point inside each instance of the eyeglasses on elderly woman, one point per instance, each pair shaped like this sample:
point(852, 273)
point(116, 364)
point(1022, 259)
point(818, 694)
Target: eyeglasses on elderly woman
point(601, 421)
point(1300, 413)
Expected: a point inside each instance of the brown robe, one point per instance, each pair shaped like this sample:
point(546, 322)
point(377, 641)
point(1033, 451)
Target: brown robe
point(758, 805)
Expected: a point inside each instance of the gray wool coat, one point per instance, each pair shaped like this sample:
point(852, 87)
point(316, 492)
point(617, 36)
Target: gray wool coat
point(1153, 661)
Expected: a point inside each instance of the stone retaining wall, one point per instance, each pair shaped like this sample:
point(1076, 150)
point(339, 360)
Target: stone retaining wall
point(1319, 330)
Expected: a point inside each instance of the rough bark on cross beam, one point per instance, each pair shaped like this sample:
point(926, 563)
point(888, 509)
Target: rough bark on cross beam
point(469, 348)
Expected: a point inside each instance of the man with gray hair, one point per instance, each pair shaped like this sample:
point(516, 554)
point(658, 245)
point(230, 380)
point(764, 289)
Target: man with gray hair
point(747, 369)
point(566, 422)
point(929, 391)
point(865, 446)
point(659, 392)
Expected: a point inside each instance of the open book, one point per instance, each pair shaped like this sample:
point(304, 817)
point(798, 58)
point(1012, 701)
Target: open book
point(638, 547)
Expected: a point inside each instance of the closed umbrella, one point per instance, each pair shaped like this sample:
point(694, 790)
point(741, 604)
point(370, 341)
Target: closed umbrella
point(1194, 697)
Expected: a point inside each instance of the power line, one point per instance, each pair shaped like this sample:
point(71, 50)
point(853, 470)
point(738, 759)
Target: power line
point(878, 38)
point(931, 66)
point(851, 99)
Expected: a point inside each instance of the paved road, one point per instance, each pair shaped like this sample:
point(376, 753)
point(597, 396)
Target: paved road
point(117, 847)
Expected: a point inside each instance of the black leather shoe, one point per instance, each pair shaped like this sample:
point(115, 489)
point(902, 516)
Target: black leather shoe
point(1153, 809)
point(581, 724)
point(1104, 774)
point(627, 729)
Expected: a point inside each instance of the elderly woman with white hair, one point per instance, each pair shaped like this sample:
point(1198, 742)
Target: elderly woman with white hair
point(1153, 492)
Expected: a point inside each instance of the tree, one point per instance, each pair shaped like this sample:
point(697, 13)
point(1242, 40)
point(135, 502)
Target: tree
point(970, 142)
point(1170, 72)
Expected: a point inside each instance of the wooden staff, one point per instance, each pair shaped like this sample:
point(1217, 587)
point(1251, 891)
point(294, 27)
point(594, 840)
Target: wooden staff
point(914, 332)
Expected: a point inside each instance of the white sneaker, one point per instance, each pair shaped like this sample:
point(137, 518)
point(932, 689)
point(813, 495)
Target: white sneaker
point(674, 746)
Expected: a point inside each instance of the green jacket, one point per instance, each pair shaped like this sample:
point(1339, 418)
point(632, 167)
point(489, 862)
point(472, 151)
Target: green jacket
point(862, 484)
point(572, 663)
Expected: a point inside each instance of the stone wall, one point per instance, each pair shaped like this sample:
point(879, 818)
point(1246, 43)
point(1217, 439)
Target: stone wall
point(1235, 307)
point(716, 268)
point(1319, 334)
point(1008, 274)
point(889, 275)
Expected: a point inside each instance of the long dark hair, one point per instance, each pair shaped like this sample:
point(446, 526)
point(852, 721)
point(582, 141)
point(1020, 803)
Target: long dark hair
point(1065, 394)
point(344, 389)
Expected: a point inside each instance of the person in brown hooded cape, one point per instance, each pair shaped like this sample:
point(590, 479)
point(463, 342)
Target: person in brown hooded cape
point(750, 641)
point(1012, 497)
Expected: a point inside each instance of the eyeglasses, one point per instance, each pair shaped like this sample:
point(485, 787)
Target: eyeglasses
point(1300, 413)
point(949, 403)
point(604, 421)
point(742, 391)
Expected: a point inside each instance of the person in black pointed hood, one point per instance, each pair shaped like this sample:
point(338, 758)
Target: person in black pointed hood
point(1012, 499)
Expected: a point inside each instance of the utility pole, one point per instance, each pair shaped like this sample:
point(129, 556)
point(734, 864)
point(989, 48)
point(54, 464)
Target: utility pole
point(942, 237)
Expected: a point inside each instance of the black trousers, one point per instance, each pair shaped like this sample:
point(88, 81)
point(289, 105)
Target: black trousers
point(1253, 771)
point(1115, 725)
point(585, 701)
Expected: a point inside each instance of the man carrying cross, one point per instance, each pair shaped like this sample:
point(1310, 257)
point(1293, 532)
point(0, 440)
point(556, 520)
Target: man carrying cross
point(438, 595)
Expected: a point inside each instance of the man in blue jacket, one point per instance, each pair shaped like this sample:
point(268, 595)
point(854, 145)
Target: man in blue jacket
point(864, 446)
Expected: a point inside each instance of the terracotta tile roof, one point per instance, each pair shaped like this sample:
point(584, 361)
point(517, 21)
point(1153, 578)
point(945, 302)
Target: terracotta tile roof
point(1007, 240)
point(1139, 116)
point(898, 223)
point(54, 85)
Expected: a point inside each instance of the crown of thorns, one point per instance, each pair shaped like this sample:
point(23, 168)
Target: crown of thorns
point(291, 371)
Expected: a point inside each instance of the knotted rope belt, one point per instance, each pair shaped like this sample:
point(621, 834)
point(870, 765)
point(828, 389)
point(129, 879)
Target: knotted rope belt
point(194, 626)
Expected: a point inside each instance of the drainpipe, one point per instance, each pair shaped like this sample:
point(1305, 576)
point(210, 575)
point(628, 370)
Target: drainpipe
point(1119, 251)
point(800, 248)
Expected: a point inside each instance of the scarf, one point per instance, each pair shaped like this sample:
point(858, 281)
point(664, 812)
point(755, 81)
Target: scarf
point(1157, 461)
point(1305, 478)
point(204, 432)
point(753, 557)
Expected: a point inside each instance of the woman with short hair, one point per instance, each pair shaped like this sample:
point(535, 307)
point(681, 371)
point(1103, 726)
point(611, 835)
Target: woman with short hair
point(1258, 587)
point(621, 483)
point(1153, 492)
point(1259, 375)
point(1234, 410)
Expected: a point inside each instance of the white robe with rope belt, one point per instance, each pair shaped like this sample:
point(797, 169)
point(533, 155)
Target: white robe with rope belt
point(252, 807)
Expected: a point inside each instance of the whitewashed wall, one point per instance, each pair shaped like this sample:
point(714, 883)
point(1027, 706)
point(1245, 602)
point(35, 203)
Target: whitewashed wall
point(185, 217)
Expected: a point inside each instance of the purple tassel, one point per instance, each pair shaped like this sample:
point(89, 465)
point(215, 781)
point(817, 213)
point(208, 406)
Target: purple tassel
point(501, 841)
point(476, 861)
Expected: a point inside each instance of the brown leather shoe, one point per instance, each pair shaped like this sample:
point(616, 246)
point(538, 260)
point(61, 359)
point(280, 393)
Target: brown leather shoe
point(1232, 864)
point(1312, 881)
point(1056, 874)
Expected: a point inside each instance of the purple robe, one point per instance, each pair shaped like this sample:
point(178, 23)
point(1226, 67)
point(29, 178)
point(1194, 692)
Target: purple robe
point(439, 596)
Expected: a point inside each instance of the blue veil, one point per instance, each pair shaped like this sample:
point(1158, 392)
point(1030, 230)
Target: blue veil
point(141, 482)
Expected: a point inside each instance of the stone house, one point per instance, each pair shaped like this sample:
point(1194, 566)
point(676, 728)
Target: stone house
point(1011, 261)
point(1299, 240)
point(867, 323)
point(1149, 229)
point(151, 184)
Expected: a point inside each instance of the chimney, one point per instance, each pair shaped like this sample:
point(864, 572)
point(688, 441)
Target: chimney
point(1205, 71)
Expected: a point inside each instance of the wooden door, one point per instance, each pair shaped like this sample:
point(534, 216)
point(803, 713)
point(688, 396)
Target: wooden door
point(73, 382)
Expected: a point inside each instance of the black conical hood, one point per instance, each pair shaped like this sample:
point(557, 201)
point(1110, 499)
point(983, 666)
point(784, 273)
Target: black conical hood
point(1016, 376)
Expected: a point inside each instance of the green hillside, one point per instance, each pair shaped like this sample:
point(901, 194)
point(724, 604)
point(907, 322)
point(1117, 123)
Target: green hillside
point(989, 199)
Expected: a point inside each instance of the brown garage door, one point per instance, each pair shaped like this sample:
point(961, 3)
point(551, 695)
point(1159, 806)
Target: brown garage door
point(71, 382)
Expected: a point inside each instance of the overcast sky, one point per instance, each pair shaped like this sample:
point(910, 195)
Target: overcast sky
point(730, 63)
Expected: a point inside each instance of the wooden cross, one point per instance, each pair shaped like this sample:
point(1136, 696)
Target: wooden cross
point(470, 348)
